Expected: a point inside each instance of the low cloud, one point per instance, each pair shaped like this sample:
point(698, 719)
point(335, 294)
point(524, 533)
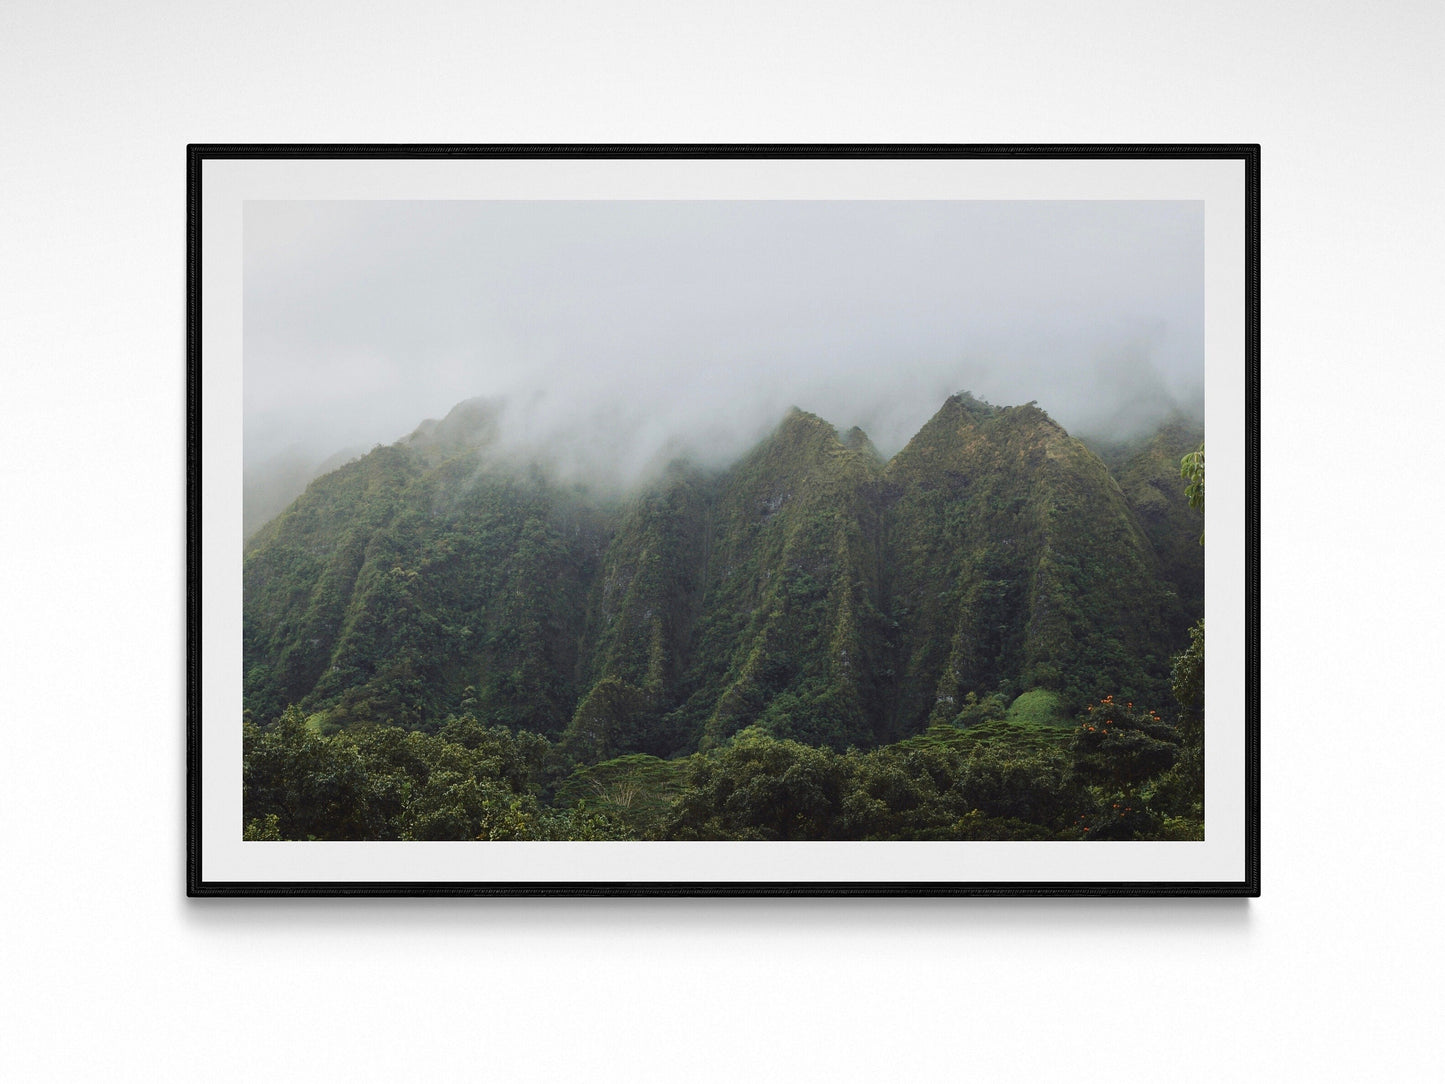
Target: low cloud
point(618, 332)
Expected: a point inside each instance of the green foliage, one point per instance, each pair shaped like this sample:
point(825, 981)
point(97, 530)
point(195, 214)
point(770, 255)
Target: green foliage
point(614, 717)
point(635, 792)
point(314, 787)
point(1118, 750)
point(807, 590)
point(1038, 707)
point(1187, 681)
point(1016, 564)
point(810, 644)
point(941, 785)
point(395, 583)
point(648, 592)
point(1119, 745)
point(759, 788)
point(1181, 790)
point(267, 828)
point(1036, 787)
point(1181, 829)
point(977, 710)
point(1191, 469)
point(790, 636)
point(383, 783)
point(998, 779)
point(1148, 473)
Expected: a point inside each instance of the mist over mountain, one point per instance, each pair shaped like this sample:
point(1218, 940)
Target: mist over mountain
point(618, 334)
point(614, 588)
point(812, 587)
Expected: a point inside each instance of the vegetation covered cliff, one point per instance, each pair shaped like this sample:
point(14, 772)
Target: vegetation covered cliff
point(996, 573)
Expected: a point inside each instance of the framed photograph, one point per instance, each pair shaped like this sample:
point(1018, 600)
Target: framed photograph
point(723, 520)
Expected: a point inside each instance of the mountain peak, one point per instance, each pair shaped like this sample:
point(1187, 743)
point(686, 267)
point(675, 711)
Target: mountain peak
point(966, 400)
point(800, 432)
point(797, 418)
point(855, 440)
point(472, 423)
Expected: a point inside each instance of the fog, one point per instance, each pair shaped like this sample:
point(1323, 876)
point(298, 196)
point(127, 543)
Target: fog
point(614, 333)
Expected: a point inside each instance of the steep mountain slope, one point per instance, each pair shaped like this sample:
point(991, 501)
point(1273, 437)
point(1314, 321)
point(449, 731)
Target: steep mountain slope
point(810, 589)
point(1148, 474)
point(270, 487)
point(1016, 563)
point(640, 616)
point(419, 579)
point(790, 631)
point(740, 599)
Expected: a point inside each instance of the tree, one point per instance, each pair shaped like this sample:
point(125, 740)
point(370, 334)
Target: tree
point(1118, 749)
point(1180, 792)
point(757, 787)
point(1187, 681)
point(1121, 746)
point(315, 787)
point(1191, 469)
point(1187, 677)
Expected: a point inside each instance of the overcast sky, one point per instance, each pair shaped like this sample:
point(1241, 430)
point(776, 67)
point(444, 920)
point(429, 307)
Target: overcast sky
point(616, 329)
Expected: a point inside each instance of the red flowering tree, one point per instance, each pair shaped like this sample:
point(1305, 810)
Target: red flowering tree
point(1117, 748)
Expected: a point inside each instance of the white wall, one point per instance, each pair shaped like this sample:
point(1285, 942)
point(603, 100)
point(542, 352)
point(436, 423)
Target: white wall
point(109, 973)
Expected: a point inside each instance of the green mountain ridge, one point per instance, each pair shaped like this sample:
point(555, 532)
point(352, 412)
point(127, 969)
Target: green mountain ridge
point(1147, 469)
point(811, 589)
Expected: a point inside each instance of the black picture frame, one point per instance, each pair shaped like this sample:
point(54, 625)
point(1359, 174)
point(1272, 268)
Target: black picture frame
point(202, 882)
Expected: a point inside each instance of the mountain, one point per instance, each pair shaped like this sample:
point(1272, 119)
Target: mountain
point(643, 607)
point(810, 589)
point(268, 488)
point(1016, 563)
point(1147, 470)
point(425, 577)
point(790, 627)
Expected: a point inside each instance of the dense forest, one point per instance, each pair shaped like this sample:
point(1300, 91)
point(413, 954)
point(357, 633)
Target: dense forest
point(997, 634)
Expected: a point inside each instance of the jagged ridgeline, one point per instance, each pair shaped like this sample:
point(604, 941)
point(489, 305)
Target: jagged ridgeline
point(810, 589)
